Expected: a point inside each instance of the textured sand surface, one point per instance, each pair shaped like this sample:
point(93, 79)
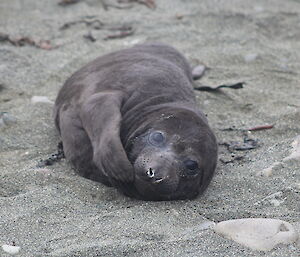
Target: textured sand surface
point(54, 212)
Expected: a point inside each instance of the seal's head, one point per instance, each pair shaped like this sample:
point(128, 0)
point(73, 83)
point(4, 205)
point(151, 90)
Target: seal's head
point(174, 156)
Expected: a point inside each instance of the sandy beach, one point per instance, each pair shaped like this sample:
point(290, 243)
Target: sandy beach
point(51, 211)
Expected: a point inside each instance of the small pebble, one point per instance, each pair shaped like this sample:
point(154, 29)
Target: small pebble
point(179, 16)
point(258, 8)
point(11, 249)
point(41, 99)
point(295, 150)
point(198, 71)
point(132, 42)
point(250, 57)
point(6, 119)
point(267, 172)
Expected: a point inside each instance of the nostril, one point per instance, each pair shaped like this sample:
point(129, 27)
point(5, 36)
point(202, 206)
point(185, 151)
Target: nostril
point(150, 173)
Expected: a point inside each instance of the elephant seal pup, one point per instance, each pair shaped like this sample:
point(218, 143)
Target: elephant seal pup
point(129, 119)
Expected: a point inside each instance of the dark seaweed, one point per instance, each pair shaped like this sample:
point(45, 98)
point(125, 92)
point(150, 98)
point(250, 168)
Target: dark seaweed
point(212, 89)
point(55, 157)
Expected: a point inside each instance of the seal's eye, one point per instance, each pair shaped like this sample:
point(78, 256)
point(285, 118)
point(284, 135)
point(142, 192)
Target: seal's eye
point(157, 138)
point(192, 167)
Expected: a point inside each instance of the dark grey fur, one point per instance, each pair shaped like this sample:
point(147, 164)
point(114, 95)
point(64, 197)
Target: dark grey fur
point(107, 114)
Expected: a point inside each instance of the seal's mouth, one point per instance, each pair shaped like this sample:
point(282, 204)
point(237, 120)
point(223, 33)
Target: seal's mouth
point(152, 176)
point(156, 188)
point(156, 175)
point(158, 181)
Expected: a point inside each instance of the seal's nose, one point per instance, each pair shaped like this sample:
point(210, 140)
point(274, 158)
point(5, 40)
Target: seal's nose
point(153, 176)
point(150, 173)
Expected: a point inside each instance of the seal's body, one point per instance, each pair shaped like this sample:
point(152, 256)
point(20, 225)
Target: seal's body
point(130, 119)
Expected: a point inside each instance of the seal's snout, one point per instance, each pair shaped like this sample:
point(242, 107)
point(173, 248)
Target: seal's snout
point(156, 175)
point(153, 175)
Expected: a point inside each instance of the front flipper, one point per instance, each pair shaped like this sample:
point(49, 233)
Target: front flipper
point(101, 119)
